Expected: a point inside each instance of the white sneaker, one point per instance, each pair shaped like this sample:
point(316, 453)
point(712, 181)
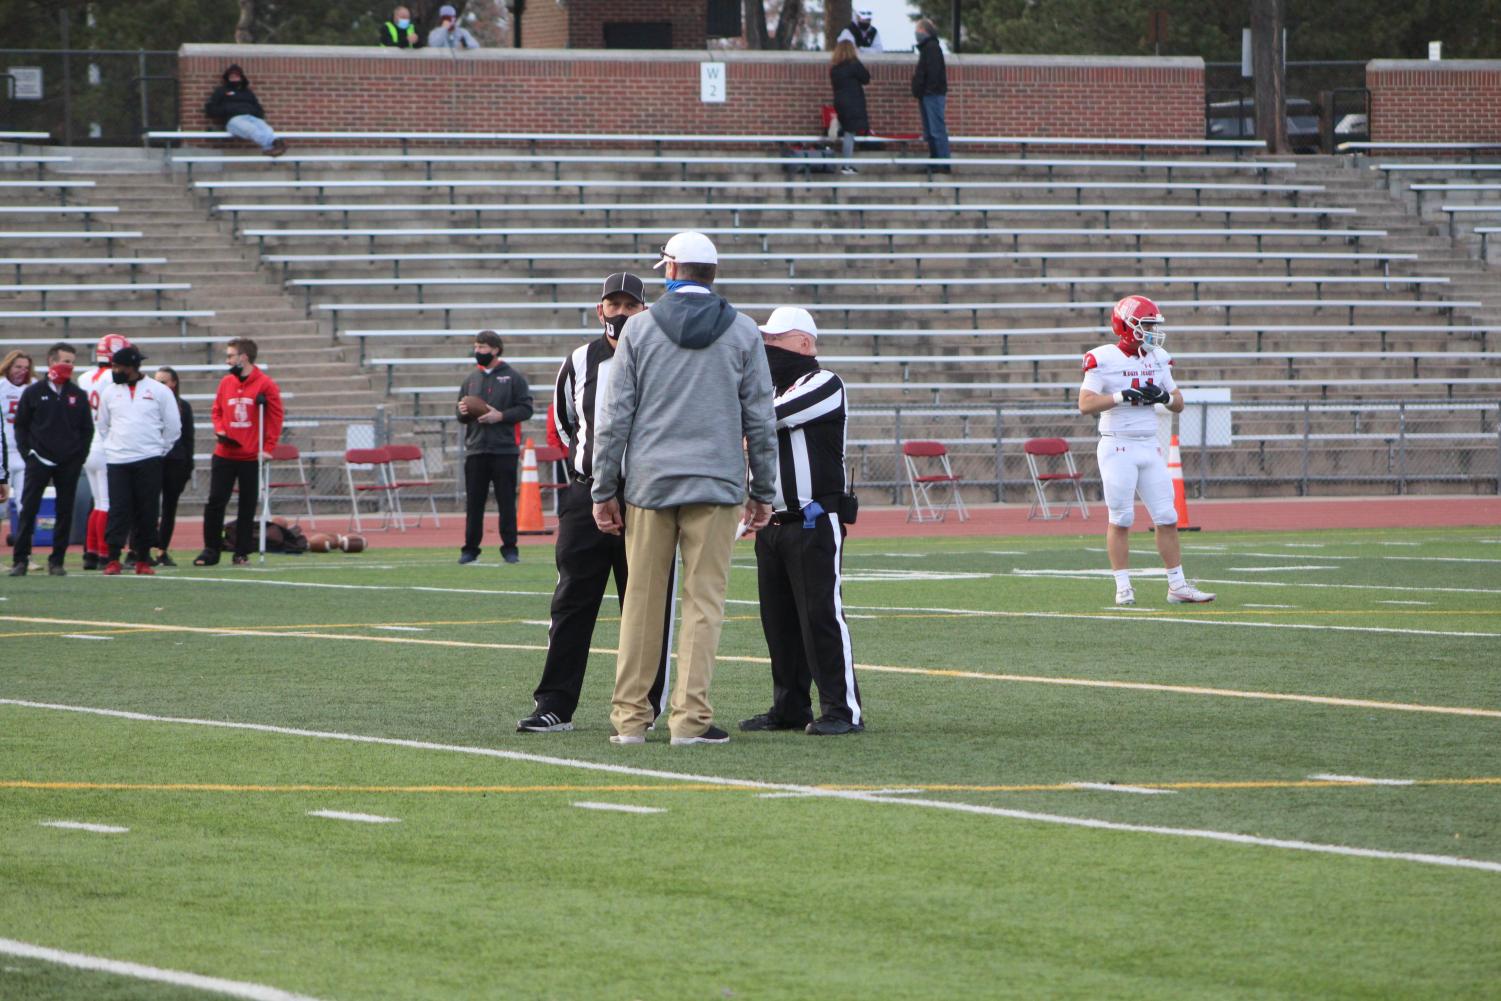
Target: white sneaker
point(1125, 596)
point(1187, 595)
point(627, 738)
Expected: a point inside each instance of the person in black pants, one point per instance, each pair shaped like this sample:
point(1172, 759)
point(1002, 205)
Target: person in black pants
point(799, 556)
point(177, 468)
point(54, 428)
point(246, 397)
point(586, 557)
point(490, 446)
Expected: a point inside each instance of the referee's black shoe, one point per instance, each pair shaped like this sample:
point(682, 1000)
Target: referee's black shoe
point(832, 726)
point(768, 721)
point(541, 722)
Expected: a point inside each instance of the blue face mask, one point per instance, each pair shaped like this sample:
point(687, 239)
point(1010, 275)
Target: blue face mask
point(676, 284)
point(403, 23)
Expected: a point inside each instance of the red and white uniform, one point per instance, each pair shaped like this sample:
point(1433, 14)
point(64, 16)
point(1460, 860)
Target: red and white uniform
point(1129, 454)
point(93, 383)
point(10, 399)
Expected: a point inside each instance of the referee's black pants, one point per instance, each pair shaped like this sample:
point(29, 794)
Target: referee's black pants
point(802, 614)
point(586, 558)
point(135, 497)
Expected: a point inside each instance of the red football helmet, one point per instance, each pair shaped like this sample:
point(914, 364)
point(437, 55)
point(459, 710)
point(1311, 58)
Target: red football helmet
point(1137, 321)
point(108, 345)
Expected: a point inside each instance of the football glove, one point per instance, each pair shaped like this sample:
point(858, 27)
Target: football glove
point(1153, 393)
point(1131, 396)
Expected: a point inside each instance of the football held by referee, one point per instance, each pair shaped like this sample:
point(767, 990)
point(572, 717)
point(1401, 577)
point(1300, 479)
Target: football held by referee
point(799, 555)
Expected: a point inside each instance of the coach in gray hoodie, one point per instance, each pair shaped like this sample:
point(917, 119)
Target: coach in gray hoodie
point(689, 399)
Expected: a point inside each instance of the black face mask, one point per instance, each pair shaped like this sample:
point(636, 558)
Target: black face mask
point(483, 358)
point(121, 380)
point(788, 366)
point(614, 325)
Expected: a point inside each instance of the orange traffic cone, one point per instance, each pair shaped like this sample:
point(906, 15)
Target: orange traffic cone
point(529, 505)
point(1180, 496)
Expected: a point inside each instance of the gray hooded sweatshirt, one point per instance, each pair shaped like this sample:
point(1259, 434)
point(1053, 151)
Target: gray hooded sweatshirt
point(688, 384)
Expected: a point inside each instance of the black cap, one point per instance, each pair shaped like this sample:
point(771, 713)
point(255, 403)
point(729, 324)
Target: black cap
point(129, 356)
point(624, 282)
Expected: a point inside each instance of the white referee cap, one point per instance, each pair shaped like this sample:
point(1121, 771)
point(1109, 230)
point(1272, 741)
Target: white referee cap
point(689, 248)
point(785, 319)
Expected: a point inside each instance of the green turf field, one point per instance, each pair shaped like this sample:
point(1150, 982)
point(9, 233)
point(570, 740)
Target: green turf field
point(1229, 849)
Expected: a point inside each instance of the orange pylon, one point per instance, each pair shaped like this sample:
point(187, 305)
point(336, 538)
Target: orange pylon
point(1180, 496)
point(529, 505)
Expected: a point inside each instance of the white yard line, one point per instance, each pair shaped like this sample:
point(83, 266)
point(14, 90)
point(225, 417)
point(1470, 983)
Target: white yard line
point(1097, 574)
point(1112, 787)
point(177, 978)
point(1361, 780)
point(1394, 601)
point(618, 807)
point(85, 636)
point(863, 797)
point(1277, 569)
point(78, 825)
point(1250, 605)
point(359, 818)
point(402, 629)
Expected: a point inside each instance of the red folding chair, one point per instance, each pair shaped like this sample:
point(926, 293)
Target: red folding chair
point(551, 458)
point(416, 464)
point(1053, 447)
point(368, 471)
point(928, 472)
point(286, 455)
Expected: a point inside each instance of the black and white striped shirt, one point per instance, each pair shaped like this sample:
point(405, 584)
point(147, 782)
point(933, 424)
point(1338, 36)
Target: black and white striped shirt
point(580, 392)
point(811, 423)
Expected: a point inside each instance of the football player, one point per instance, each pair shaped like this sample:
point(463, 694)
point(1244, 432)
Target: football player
point(1122, 382)
point(15, 376)
point(93, 382)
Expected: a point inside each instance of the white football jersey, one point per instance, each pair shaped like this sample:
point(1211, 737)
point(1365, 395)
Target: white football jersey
point(10, 399)
point(1108, 370)
point(93, 382)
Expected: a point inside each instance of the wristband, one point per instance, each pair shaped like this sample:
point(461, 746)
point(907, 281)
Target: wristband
point(1119, 398)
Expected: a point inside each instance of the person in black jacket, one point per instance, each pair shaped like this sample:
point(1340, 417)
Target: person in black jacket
point(930, 85)
point(849, 77)
point(54, 428)
point(234, 104)
point(177, 468)
point(400, 32)
point(490, 446)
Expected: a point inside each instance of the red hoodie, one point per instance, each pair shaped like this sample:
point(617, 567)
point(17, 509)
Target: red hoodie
point(235, 415)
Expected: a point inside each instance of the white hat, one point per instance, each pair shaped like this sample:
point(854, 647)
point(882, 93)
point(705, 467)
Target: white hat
point(863, 14)
point(689, 248)
point(785, 319)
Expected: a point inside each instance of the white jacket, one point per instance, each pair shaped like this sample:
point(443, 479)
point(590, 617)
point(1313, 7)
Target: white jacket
point(137, 422)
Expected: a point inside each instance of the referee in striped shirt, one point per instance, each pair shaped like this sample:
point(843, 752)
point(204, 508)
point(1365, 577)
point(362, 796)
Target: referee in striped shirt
point(799, 555)
point(586, 557)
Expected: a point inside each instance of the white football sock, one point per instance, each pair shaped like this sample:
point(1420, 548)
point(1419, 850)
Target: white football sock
point(1175, 578)
point(1122, 579)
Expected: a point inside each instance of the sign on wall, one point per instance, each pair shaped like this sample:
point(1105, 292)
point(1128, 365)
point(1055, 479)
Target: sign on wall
point(711, 80)
point(26, 82)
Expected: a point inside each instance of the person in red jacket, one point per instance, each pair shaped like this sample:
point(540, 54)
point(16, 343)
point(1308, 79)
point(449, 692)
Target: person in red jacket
point(245, 393)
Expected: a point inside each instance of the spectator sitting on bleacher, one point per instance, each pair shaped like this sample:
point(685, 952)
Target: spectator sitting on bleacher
point(399, 32)
point(234, 104)
point(450, 34)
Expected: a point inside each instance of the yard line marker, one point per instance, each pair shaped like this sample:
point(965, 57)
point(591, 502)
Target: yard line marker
point(78, 825)
point(1112, 787)
point(359, 818)
point(85, 636)
point(863, 797)
point(1304, 545)
point(1277, 569)
point(618, 807)
point(1361, 780)
point(402, 629)
point(1391, 601)
point(178, 978)
point(1403, 543)
point(1250, 605)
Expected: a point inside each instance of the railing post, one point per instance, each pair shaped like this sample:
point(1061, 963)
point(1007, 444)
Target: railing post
point(1000, 458)
point(1401, 448)
point(1307, 430)
point(141, 84)
point(896, 479)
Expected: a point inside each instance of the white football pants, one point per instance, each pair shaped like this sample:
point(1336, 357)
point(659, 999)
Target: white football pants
point(96, 470)
point(1129, 466)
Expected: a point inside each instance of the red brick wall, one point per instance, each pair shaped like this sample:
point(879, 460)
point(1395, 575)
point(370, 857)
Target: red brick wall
point(1418, 101)
point(316, 88)
point(544, 25)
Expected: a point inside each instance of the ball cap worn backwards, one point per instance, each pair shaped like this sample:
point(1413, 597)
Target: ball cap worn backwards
point(689, 248)
point(788, 318)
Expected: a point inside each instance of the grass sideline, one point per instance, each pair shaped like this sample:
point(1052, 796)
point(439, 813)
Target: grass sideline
point(1000, 665)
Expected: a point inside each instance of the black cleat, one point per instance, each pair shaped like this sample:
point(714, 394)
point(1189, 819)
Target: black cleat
point(90, 561)
point(766, 721)
point(832, 726)
point(510, 556)
point(540, 722)
point(18, 569)
point(56, 570)
point(467, 558)
point(713, 735)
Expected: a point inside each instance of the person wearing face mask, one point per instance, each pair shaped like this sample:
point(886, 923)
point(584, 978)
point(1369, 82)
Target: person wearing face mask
point(491, 445)
point(246, 395)
point(586, 557)
point(15, 376)
point(54, 428)
point(177, 467)
point(235, 104)
point(399, 32)
point(799, 556)
point(930, 85)
point(450, 34)
point(139, 423)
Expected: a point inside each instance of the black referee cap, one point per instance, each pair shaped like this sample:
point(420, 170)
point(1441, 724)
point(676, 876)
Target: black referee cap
point(623, 282)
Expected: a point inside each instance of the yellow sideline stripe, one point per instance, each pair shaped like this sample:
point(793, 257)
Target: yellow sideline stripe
point(705, 787)
point(1139, 686)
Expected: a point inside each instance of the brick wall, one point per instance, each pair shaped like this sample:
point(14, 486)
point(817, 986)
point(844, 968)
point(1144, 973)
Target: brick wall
point(328, 88)
point(1415, 100)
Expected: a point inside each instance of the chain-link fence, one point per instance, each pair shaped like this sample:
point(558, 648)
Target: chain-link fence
point(88, 97)
point(1229, 449)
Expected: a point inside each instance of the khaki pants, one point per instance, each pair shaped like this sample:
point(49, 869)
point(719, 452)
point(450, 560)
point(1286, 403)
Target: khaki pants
point(705, 535)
